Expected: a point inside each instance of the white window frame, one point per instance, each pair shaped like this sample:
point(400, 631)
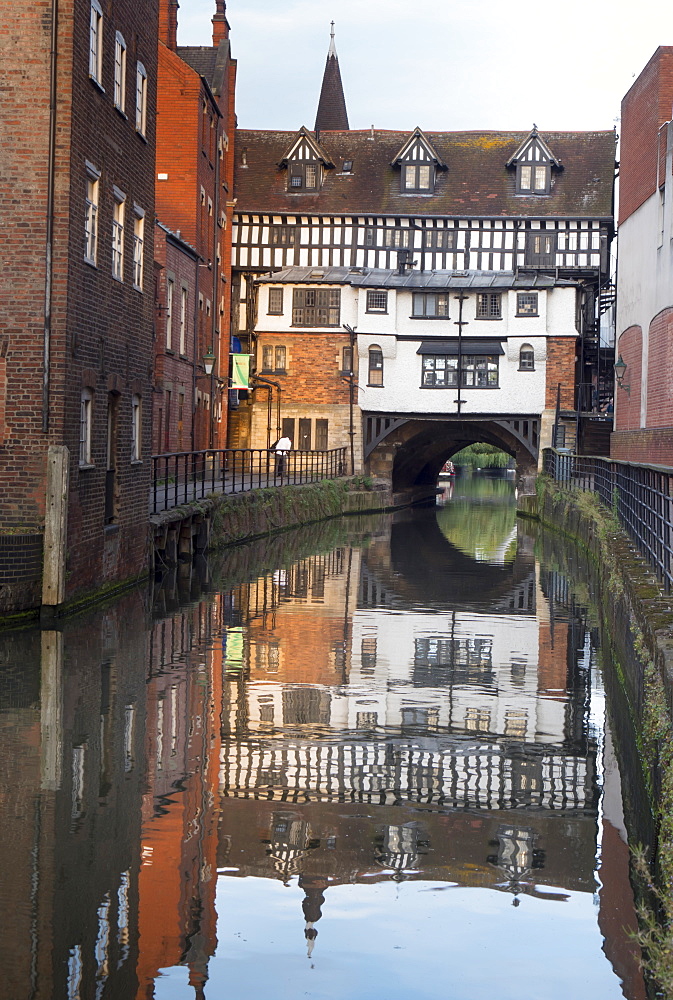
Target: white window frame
point(136, 427)
point(85, 425)
point(120, 73)
point(138, 247)
point(96, 43)
point(91, 213)
point(141, 99)
point(118, 234)
point(170, 287)
point(183, 319)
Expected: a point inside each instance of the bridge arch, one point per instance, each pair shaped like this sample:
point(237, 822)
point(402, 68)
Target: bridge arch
point(410, 452)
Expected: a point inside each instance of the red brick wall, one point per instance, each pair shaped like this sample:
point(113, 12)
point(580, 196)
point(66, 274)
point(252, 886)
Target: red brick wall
point(313, 366)
point(647, 446)
point(645, 108)
point(173, 370)
point(561, 353)
point(97, 323)
point(659, 369)
point(627, 404)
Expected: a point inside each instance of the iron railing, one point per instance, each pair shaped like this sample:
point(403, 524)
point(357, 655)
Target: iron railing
point(640, 495)
point(180, 477)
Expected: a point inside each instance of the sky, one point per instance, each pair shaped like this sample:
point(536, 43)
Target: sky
point(458, 65)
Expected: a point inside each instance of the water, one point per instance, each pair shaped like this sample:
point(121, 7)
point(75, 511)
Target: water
point(370, 760)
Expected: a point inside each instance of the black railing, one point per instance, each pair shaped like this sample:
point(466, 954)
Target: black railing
point(180, 477)
point(640, 495)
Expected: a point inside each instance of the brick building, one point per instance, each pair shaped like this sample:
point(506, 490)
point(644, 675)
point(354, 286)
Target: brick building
point(499, 212)
point(176, 280)
point(194, 192)
point(76, 209)
point(644, 401)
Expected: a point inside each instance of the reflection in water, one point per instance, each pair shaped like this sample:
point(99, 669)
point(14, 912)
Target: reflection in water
point(331, 778)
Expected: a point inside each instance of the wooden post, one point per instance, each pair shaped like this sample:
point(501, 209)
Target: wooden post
point(55, 526)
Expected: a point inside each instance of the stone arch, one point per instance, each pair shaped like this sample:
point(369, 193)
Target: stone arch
point(412, 453)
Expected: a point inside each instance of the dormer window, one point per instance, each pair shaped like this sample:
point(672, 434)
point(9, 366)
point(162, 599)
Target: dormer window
point(418, 177)
point(418, 164)
point(533, 178)
point(303, 176)
point(533, 161)
point(305, 162)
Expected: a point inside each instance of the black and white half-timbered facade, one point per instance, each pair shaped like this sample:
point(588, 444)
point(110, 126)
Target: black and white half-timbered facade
point(516, 204)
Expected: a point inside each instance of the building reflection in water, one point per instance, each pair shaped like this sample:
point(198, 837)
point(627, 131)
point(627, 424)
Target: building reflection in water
point(305, 726)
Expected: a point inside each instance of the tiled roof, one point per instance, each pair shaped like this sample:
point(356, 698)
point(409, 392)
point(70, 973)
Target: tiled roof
point(476, 184)
point(208, 61)
point(363, 277)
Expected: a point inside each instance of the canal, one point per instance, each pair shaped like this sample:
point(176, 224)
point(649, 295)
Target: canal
point(370, 760)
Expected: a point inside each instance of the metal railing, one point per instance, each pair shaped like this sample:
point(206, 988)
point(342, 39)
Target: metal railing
point(640, 495)
point(180, 477)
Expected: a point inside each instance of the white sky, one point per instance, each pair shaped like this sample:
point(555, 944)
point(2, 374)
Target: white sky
point(464, 64)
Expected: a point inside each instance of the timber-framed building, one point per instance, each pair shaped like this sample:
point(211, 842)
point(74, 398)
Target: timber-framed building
point(515, 203)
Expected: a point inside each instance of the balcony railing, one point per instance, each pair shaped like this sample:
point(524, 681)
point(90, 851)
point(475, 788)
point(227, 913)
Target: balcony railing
point(180, 477)
point(640, 495)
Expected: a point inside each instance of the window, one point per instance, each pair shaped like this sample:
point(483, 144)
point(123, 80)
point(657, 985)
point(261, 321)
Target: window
point(96, 42)
point(377, 301)
point(440, 371)
point(138, 253)
point(526, 358)
point(275, 302)
point(85, 422)
point(418, 177)
point(183, 320)
point(316, 306)
point(489, 305)
point(526, 303)
point(118, 235)
point(91, 214)
point(141, 99)
point(439, 239)
point(136, 427)
point(375, 366)
point(396, 238)
point(284, 235)
point(321, 430)
point(431, 305)
point(120, 72)
point(347, 360)
point(541, 249)
point(303, 176)
point(348, 167)
point(170, 286)
point(533, 178)
point(273, 358)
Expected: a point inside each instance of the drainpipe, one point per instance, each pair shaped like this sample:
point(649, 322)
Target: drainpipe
point(268, 382)
point(51, 169)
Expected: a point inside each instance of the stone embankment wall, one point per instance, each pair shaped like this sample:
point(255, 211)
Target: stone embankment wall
point(230, 519)
point(637, 620)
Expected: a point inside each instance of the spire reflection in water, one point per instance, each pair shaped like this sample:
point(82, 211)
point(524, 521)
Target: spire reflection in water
point(331, 779)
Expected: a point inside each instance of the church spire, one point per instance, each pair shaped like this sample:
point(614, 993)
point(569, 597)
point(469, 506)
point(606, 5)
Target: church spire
point(331, 115)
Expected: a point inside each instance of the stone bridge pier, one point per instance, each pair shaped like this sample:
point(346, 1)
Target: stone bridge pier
point(410, 452)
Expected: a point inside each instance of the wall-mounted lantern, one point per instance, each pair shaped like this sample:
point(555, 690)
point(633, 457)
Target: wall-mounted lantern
point(209, 361)
point(620, 371)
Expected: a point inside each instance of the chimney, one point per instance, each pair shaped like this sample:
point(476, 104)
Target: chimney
point(168, 23)
point(220, 23)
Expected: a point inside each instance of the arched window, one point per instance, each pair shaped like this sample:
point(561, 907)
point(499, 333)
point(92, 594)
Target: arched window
point(375, 365)
point(526, 358)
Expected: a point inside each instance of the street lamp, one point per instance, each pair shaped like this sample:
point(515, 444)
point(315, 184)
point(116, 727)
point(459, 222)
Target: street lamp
point(209, 361)
point(620, 371)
